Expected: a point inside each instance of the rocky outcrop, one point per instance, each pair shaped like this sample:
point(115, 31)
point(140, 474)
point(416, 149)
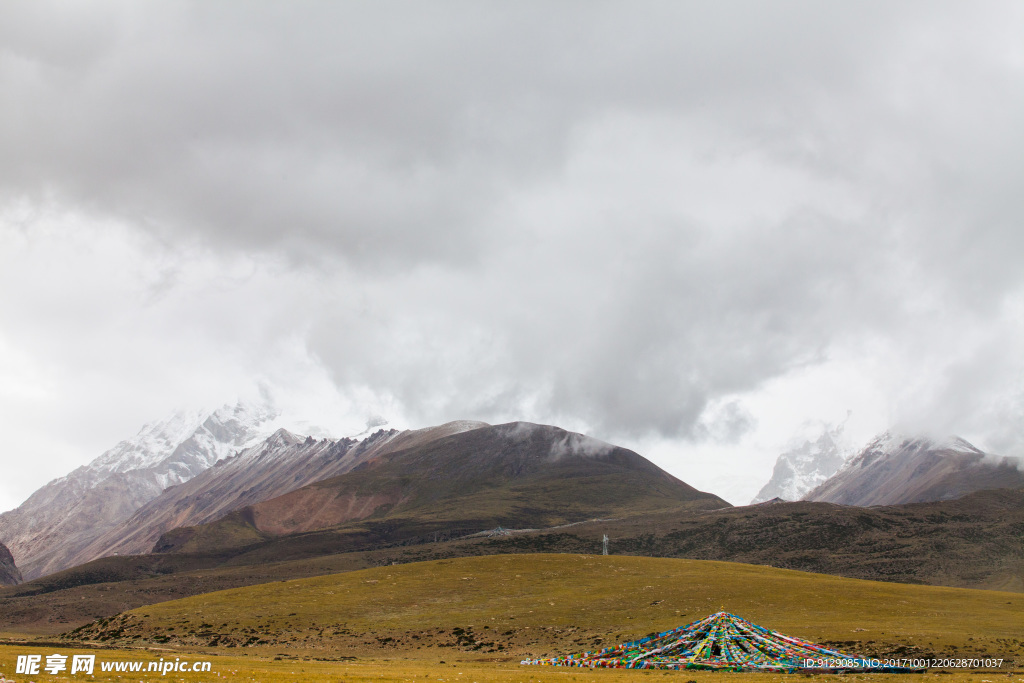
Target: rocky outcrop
point(9, 574)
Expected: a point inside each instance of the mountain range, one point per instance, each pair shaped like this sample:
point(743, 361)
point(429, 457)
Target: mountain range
point(896, 468)
point(234, 481)
point(893, 468)
point(474, 478)
point(178, 484)
point(285, 506)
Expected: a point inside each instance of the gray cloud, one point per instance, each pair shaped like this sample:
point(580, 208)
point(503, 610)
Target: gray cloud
point(609, 216)
point(391, 129)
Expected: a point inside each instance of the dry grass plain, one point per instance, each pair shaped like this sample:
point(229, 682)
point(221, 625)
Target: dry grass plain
point(471, 620)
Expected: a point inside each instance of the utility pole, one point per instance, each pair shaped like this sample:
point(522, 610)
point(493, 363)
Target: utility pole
point(604, 545)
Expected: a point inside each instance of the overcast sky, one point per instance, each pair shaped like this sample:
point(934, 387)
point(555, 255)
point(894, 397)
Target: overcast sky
point(690, 228)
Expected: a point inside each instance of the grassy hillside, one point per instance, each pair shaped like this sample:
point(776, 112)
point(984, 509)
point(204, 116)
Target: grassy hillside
point(515, 605)
point(971, 542)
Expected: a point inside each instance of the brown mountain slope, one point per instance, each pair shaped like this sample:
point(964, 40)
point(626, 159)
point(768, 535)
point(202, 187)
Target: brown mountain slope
point(895, 469)
point(518, 474)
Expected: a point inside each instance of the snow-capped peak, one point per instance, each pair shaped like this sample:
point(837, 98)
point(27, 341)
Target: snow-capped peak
point(282, 438)
point(219, 432)
point(892, 441)
point(899, 467)
point(154, 442)
point(816, 452)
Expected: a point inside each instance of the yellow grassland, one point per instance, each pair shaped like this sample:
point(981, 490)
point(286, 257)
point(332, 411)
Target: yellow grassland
point(541, 604)
point(481, 615)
